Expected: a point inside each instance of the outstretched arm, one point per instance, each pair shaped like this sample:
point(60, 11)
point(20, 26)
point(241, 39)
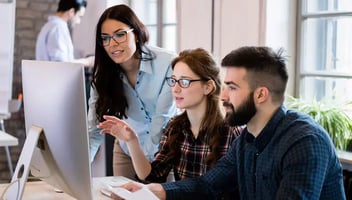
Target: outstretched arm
point(122, 131)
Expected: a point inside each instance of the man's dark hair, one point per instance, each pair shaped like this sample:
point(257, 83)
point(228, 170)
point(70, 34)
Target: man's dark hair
point(65, 5)
point(265, 68)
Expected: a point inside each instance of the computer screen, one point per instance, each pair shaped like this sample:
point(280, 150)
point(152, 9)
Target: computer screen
point(54, 100)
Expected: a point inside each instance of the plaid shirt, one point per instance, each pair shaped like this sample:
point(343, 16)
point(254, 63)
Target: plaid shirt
point(194, 151)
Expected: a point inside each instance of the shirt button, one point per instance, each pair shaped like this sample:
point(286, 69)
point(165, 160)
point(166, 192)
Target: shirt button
point(142, 108)
point(137, 82)
point(147, 132)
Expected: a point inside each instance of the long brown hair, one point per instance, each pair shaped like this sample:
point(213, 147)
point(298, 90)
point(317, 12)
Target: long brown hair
point(202, 64)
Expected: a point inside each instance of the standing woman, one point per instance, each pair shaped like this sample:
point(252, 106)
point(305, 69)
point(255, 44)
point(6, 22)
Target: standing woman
point(129, 83)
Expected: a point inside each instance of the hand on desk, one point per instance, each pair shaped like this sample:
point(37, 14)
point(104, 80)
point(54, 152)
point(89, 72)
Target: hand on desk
point(142, 190)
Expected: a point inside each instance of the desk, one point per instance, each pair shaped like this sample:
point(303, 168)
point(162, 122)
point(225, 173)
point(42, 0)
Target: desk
point(40, 190)
point(345, 159)
point(7, 140)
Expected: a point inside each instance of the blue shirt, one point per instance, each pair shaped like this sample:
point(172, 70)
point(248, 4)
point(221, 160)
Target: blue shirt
point(54, 41)
point(292, 158)
point(150, 104)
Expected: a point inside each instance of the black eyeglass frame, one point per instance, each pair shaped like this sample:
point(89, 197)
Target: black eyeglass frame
point(125, 32)
point(172, 81)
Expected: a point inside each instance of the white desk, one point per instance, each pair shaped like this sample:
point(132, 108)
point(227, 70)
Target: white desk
point(7, 140)
point(40, 190)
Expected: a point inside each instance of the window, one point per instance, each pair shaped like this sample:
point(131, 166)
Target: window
point(325, 49)
point(160, 18)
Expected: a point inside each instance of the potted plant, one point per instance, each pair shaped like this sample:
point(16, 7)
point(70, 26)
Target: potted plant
point(333, 116)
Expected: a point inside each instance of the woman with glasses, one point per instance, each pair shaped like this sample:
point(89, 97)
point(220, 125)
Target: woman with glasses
point(128, 83)
point(194, 140)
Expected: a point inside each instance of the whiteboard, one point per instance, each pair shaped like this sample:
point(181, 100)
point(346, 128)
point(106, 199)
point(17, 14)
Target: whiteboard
point(7, 37)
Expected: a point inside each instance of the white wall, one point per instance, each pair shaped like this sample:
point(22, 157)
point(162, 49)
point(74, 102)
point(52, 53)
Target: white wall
point(84, 33)
point(281, 32)
point(194, 24)
point(236, 23)
point(7, 38)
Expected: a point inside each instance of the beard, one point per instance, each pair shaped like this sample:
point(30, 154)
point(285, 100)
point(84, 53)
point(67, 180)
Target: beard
point(243, 113)
point(229, 108)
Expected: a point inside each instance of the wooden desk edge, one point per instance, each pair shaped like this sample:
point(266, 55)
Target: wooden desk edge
point(345, 158)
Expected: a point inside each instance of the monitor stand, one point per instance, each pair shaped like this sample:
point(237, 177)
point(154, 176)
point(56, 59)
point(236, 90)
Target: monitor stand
point(16, 188)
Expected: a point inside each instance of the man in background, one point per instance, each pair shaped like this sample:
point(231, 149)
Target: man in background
point(54, 42)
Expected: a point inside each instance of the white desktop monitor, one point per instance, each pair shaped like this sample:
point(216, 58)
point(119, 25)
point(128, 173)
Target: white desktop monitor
point(54, 100)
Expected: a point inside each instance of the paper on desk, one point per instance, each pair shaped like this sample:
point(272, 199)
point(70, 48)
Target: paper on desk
point(143, 193)
point(118, 181)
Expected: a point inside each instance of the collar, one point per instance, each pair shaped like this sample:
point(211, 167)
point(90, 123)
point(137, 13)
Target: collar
point(268, 131)
point(56, 18)
point(146, 66)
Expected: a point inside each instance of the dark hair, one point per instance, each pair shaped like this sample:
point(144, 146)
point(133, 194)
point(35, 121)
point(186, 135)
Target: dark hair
point(264, 68)
point(65, 5)
point(106, 73)
point(202, 64)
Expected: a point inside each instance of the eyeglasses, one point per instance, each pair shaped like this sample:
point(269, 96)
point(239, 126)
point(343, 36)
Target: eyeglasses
point(182, 82)
point(118, 37)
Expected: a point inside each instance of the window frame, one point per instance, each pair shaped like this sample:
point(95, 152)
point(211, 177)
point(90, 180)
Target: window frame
point(160, 24)
point(301, 72)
